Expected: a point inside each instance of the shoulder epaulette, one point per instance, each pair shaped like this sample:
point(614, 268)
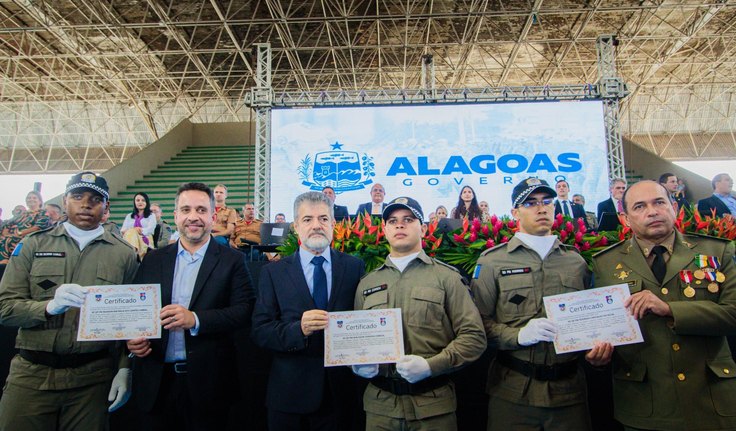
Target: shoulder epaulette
point(700, 235)
point(446, 265)
point(41, 231)
point(610, 247)
point(494, 248)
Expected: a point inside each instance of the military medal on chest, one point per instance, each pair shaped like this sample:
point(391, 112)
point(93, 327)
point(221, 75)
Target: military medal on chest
point(709, 272)
point(687, 277)
point(620, 273)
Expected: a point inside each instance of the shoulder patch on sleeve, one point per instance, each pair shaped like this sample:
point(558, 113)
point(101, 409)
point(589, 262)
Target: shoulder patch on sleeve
point(16, 250)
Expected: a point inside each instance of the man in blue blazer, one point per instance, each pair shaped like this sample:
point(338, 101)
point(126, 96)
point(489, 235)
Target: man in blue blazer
point(188, 378)
point(376, 205)
point(722, 201)
point(573, 210)
point(294, 296)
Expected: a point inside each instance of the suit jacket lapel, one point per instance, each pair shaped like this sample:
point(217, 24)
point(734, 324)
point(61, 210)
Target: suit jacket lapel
point(209, 263)
point(338, 271)
point(167, 273)
point(296, 274)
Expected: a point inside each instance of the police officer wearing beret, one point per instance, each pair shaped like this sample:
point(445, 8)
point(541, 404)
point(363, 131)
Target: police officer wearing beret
point(442, 329)
point(56, 382)
point(531, 386)
point(683, 292)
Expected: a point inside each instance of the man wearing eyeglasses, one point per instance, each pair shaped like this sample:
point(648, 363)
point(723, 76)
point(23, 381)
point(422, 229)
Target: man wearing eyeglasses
point(530, 386)
point(441, 325)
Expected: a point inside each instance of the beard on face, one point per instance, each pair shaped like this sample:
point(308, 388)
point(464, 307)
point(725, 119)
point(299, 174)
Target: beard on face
point(318, 242)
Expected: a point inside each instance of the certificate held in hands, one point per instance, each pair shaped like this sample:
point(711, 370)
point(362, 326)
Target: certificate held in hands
point(120, 312)
point(364, 337)
point(589, 316)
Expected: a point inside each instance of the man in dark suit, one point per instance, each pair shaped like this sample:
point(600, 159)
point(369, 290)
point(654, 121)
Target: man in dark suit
point(722, 201)
point(186, 379)
point(376, 205)
point(564, 206)
point(294, 296)
point(612, 205)
point(669, 182)
point(340, 212)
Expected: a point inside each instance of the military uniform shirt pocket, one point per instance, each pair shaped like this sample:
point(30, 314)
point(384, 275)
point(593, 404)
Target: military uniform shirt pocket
point(427, 307)
point(109, 274)
point(722, 384)
point(516, 296)
point(376, 300)
point(46, 275)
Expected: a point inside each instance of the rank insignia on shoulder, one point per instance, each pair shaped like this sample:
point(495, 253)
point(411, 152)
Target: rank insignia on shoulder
point(372, 290)
point(49, 254)
point(514, 271)
point(476, 273)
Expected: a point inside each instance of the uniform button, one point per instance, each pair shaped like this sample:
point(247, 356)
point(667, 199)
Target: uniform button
point(628, 374)
point(675, 347)
point(726, 371)
point(665, 291)
point(681, 377)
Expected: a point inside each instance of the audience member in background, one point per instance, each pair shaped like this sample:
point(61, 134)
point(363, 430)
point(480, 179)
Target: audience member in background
point(162, 234)
point(54, 212)
point(486, 210)
point(467, 205)
point(681, 188)
point(279, 218)
point(613, 205)
point(376, 205)
point(108, 225)
point(18, 210)
point(440, 212)
point(139, 225)
point(564, 206)
point(26, 222)
point(722, 201)
point(669, 181)
point(57, 382)
point(341, 212)
point(247, 232)
point(589, 215)
point(225, 217)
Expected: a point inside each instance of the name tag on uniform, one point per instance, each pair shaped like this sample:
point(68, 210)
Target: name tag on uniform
point(514, 271)
point(49, 254)
point(373, 290)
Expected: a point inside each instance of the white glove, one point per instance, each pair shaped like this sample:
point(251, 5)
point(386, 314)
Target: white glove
point(120, 389)
point(67, 295)
point(367, 371)
point(537, 330)
point(413, 368)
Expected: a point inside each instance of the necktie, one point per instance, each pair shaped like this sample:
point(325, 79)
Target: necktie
point(319, 291)
point(619, 207)
point(659, 268)
point(565, 205)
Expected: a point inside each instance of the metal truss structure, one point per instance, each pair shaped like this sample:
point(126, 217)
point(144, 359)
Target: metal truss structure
point(84, 84)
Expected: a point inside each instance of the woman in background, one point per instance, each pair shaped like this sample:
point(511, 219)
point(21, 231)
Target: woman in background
point(139, 225)
point(25, 222)
point(467, 205)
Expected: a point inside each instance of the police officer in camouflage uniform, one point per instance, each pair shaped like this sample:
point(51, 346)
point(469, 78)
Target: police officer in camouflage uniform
point(56, 382)
point(442, 329)
point(530, 386)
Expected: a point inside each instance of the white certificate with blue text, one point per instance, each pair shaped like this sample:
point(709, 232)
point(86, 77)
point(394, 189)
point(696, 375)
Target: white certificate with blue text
point(364, 337)
point(120, 312)
point(586, 317)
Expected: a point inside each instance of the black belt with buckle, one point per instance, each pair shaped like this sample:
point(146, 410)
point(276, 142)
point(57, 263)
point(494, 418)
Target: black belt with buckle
point(57, 361)
point(178, 367)
point(402, 387)
point(538, 371)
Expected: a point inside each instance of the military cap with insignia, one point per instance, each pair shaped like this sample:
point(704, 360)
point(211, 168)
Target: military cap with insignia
point(88, 181)
point(528, 186)
point(406, 203)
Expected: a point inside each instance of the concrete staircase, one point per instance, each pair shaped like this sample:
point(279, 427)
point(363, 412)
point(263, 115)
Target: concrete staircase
point(233, 166)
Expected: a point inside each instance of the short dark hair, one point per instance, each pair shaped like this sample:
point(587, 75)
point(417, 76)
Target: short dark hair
point(58, 208)
point(200, 187)
point(717, 179)
point(626, 192)
point(563, 181)
point(666, 176)
point(328, 187)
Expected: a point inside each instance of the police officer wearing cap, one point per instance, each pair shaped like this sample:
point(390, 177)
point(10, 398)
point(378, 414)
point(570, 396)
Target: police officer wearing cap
point(530, 386)
point(441, 325)
point(56, 382)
